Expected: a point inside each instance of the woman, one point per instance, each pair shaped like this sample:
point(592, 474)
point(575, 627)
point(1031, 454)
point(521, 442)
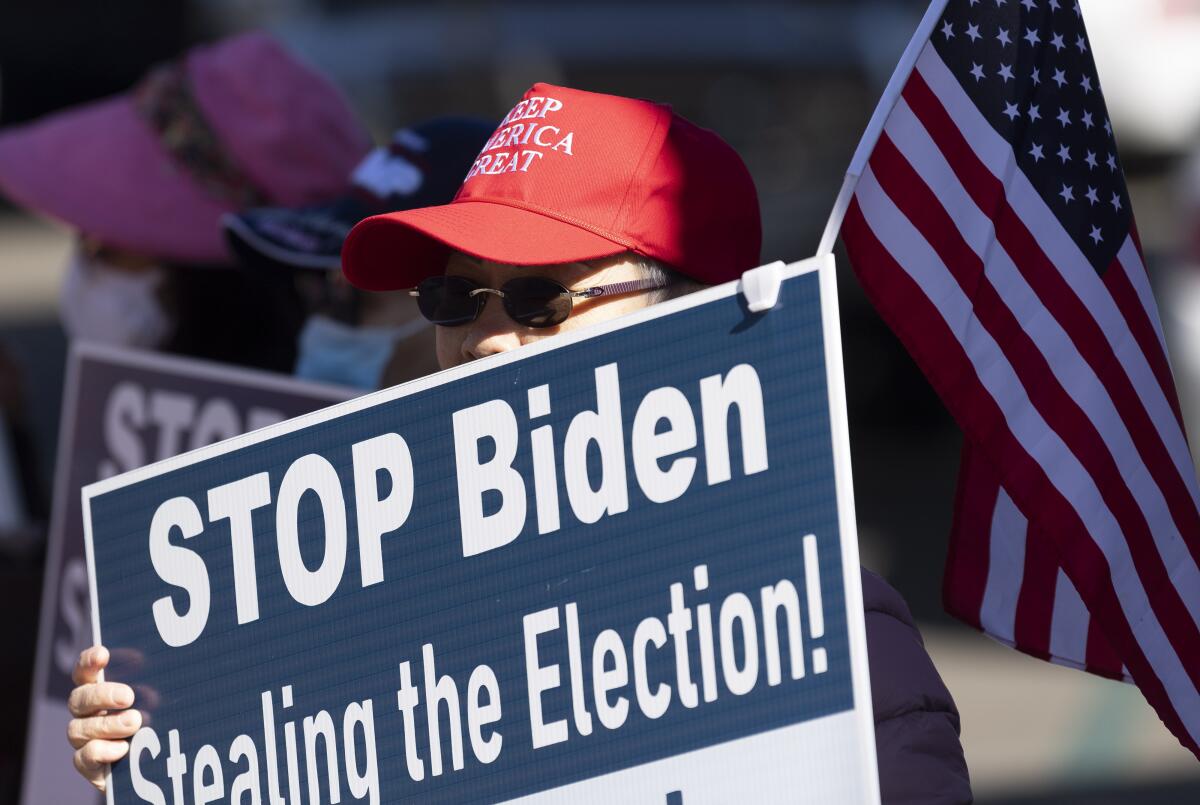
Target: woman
point(145, 177)
point(580, 208)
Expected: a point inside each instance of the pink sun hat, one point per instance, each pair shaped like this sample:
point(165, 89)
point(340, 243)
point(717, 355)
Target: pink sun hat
point(236, 124)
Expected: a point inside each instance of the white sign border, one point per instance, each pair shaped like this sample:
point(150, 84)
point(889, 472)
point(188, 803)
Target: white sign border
point(824, 265)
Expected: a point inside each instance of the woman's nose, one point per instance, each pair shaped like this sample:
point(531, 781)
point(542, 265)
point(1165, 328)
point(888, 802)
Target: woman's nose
point(492, 333)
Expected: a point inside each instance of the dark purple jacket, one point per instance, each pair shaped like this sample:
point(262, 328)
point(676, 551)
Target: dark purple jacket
point(916, 723)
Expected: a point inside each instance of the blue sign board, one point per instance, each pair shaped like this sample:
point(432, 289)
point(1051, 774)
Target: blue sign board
point(616, 566)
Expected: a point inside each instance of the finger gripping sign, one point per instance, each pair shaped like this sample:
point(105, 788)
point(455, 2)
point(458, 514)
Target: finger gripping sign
point(616, 566)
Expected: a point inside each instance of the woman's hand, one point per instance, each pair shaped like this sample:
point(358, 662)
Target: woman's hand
point(101, 723)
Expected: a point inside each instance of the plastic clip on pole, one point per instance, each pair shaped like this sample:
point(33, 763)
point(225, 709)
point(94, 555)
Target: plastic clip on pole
point(761, 285)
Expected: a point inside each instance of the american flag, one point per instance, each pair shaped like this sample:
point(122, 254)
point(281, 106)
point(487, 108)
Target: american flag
point(991, 226)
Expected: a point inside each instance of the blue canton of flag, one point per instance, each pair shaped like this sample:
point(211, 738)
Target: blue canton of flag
point(1028, 67)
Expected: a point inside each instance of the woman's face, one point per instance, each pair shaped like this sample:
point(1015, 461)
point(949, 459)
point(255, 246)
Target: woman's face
point(494, 332)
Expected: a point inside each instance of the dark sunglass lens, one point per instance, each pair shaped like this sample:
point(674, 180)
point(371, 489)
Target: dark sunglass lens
point(536, 301)
point(447, 300)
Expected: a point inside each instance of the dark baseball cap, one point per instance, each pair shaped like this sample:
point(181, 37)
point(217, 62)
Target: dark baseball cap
point(422, 166)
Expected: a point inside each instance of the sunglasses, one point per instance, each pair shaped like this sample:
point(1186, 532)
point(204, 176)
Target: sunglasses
point(452, 301)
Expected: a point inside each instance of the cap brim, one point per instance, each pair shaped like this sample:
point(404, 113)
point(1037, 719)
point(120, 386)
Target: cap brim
point(281, 238)
point(99, 169)
point(398, 250)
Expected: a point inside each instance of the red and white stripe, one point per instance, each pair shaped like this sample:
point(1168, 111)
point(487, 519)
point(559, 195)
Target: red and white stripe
point(1059, 379)
point(993, 583)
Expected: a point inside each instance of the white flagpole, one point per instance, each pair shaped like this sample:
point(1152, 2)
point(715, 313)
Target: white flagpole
point(870, 137)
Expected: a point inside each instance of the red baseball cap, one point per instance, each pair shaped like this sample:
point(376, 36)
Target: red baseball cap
point(571, 176)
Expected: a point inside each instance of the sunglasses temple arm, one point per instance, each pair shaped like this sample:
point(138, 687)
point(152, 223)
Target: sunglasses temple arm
point(618, 288)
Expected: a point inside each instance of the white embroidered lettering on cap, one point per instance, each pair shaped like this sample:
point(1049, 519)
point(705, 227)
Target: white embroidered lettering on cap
point(523, 138)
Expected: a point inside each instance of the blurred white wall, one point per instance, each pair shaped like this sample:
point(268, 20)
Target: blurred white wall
point(33, 256)
point(1148, 55)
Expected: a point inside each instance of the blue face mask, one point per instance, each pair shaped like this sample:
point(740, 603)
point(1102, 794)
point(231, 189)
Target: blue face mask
point(332, 352)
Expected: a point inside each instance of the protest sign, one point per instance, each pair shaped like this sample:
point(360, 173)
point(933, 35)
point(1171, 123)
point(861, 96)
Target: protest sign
point(618, 565)
point(122, 409)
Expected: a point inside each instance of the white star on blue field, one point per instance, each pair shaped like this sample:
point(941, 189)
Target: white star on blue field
point(1028, 67)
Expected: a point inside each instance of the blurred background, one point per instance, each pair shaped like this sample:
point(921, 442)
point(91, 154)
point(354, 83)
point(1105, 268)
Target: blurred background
point(791, 86)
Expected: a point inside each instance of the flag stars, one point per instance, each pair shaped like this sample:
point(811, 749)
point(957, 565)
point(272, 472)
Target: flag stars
point(1045, 76)
point(1078, 12)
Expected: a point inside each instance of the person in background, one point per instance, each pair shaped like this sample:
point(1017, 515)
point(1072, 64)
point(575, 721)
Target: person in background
point(144, 178)
point(350, 337)
point(583, 207)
